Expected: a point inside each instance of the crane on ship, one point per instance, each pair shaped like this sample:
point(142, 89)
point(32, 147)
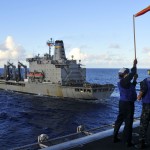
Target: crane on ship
point(9, 71)
point(19, 70)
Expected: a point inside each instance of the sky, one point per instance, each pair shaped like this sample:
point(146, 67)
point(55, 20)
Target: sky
point(97, 32)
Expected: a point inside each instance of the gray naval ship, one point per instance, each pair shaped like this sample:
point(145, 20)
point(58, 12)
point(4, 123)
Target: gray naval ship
point(53, 75)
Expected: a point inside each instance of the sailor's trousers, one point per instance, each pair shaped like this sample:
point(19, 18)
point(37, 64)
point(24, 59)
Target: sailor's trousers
point(126, 114)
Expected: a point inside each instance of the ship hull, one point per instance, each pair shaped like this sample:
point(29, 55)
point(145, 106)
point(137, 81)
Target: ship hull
point(57, 90)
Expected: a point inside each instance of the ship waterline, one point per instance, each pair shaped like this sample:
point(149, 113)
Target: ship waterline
point(57, 90)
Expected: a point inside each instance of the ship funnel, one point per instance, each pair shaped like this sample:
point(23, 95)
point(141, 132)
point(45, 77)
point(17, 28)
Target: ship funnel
point(59, 52)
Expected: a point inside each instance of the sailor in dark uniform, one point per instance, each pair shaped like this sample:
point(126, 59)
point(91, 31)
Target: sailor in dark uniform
point(144, 95)
point(126, 103)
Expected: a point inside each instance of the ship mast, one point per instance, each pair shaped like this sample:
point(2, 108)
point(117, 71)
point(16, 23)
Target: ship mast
point(50, 43)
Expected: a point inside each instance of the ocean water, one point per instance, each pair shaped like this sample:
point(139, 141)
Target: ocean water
point(23, 117)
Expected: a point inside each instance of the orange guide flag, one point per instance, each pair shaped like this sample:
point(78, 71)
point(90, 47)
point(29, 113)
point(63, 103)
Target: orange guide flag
point(142, 11)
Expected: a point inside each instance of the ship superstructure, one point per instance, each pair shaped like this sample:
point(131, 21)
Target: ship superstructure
point(53, 75)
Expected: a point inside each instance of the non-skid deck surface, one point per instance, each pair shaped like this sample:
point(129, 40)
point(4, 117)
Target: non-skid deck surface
point(107, 143)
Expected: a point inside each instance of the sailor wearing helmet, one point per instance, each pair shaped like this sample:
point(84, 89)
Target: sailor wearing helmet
point(126, 103)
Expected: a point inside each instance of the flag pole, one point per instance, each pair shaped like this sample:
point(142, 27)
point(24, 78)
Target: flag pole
point(134, 36)
point(136, 15)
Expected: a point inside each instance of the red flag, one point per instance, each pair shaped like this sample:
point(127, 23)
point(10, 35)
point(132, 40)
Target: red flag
point(142, 11)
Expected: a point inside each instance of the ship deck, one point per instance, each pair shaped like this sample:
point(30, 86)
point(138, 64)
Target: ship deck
point(107, 143)
point(101, 140)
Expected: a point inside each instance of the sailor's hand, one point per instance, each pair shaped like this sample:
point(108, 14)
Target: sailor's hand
point(135, 76)
point(135, 62)
point(139, 97)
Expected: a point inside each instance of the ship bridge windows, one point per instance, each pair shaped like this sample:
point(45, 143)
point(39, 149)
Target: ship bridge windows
point(105, 89)
point(94, 90)
point(83, 90)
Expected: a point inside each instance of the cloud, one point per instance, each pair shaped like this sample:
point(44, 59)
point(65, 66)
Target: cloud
point(9, 50)
point(77, 54)
point(101, 60)
point(108, 59)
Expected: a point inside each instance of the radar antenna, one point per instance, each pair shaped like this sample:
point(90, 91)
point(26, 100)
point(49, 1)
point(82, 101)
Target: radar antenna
point(50, 43)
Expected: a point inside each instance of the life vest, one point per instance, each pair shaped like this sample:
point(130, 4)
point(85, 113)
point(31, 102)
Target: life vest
point(127, 94)
point(146, 97)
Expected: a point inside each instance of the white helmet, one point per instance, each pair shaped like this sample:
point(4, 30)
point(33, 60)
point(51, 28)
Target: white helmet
point(123, 71)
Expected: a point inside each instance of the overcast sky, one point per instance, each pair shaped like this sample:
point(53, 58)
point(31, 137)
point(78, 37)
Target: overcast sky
point(99, 32)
